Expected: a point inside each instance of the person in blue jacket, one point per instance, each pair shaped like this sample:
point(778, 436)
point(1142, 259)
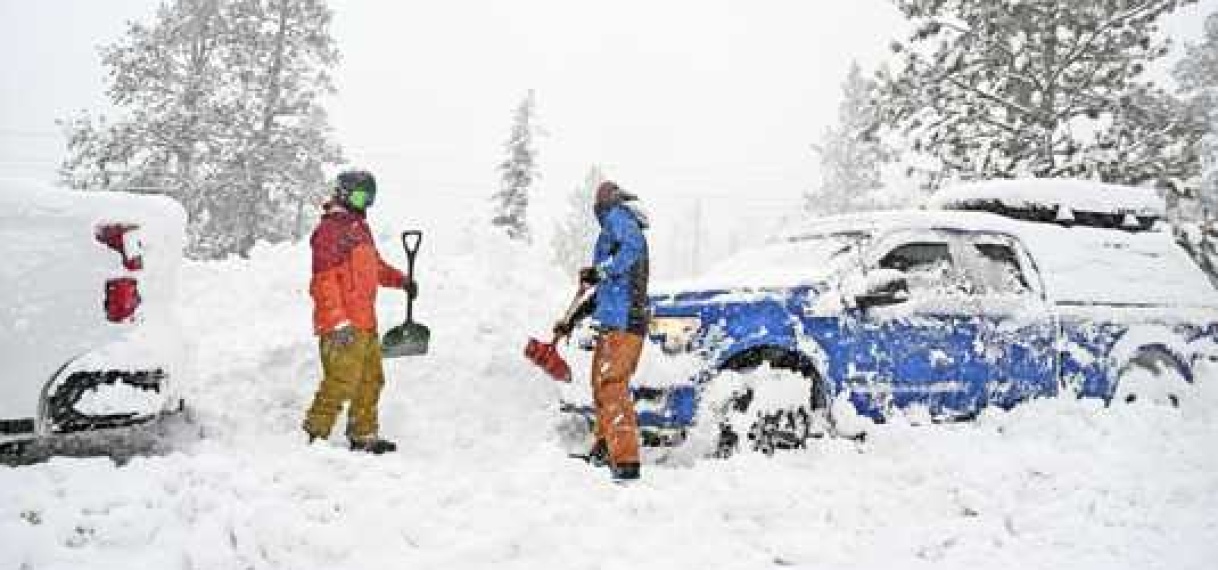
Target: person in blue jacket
point(620, 270)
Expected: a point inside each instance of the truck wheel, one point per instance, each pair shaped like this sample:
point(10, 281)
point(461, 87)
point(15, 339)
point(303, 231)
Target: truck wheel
point(1154, 376)
point(781, 430)
point(771, 410)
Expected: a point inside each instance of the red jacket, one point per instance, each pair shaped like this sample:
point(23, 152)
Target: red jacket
point(346, 272)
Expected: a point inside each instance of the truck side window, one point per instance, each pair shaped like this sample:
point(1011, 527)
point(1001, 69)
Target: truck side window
point(999, 270)
point(928, 265)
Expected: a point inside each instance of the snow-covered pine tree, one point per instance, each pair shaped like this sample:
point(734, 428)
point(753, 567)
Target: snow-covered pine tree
point(517, 172)
point(1196, 216)
point(1197, 76)
point(1006, 88)
point(851, 153)
point(219, 107)
point(576, 232)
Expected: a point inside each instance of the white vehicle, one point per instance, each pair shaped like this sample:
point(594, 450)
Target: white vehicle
point(88, 335)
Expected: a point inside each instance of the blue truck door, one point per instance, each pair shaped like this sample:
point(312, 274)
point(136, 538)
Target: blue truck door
point(910, 353)
point(1016, 356)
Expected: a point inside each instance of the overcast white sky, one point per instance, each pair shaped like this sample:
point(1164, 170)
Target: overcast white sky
point(680, 96)
point(713, 98)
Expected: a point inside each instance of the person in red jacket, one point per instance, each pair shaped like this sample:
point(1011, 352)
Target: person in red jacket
point(347, 270)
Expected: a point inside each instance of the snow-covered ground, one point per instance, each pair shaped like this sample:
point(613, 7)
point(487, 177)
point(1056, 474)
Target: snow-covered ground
point(481, 479)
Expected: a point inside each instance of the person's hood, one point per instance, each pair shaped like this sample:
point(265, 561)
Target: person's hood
point(636, 209)
point(628, 202)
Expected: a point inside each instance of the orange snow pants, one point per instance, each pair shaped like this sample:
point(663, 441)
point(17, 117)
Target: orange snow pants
point(614, 362)
point(352, 374)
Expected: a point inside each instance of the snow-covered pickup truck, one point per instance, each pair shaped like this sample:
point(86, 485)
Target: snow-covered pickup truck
point(938, 312)
point(88, 334)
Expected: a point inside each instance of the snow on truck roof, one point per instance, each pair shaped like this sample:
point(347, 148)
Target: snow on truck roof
point(1065, 196)
point(965, 207)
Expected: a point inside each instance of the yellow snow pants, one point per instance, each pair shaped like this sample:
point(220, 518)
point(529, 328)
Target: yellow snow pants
point(351, 373)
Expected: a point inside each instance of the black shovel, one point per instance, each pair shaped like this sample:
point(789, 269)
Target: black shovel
point(409, 338)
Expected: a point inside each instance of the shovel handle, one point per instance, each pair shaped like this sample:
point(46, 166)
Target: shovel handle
point(579, 299)
point(411, 241)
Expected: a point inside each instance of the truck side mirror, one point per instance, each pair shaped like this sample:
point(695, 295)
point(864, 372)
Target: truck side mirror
point(883, 287)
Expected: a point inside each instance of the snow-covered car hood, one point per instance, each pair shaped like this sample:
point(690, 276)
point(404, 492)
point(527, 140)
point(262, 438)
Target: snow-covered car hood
point(797, 262)
point(721, 285)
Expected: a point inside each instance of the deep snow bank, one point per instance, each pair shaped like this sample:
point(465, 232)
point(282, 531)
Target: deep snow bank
point(481, 480)
point(481, 297)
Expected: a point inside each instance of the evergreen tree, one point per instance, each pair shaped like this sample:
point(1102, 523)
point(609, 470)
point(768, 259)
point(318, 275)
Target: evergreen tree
point(575, 234)
point(517, 173)
point(219, 108)
point(851, 153)
point(1197, 75)
point(1007, 88)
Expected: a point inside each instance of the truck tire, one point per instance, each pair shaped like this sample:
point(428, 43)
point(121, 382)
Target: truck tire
point(778, 405)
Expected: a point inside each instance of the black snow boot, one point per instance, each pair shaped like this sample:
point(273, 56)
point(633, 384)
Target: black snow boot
point(598, 456)
point(375, 446)
point(312, 436)
point(624, 472)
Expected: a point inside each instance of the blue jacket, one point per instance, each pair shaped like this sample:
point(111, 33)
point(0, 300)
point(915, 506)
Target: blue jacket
point(621, 257)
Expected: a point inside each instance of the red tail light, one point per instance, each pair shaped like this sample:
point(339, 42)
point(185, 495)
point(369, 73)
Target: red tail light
point(122, 299)
point(124, 239)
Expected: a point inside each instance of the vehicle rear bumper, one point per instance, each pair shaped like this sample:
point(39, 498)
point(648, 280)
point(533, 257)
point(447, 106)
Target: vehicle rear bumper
point(91, 400)
point(33, 430)
point(95, 400)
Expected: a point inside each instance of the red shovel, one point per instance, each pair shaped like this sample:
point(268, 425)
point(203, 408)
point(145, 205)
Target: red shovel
point(545, 354)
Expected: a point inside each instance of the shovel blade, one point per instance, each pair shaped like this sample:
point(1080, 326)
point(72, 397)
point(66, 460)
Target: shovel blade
point(409, 339)
point(545, 355)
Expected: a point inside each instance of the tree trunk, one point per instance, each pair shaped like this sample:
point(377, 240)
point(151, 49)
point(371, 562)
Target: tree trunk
point(1048, 103)
point(270, 105)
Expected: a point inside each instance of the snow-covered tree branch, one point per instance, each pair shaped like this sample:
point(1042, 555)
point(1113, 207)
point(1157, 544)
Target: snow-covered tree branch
point(1000, 89)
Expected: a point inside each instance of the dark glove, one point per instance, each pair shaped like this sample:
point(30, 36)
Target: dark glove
point(411, 287)
point(562, 329)
point(589, 276)
point(342, 336)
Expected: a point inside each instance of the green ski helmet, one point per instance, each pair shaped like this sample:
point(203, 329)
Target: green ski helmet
point(356, 189)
